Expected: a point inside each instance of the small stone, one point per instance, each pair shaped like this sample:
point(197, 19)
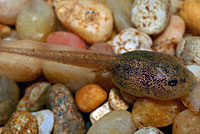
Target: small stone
point(21, 122)
point(9, 97)
point(148, 130)
point(115, 122)
point(155, 113)
point(195, 69)
point(67, 118)
point(129, 98)
point(186, 123)
point(100, 112)
point(4, 30)
point(37, 23)
point(131, 39)
point(150, 16)
point(116, 101)
point(45, 120)
point(34, 98)
point(90, 97)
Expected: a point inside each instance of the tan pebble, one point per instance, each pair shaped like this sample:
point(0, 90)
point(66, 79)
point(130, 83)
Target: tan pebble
point(4, 30)
point(21, 122)
point(116, 101)
point(186, 123)
point(129, 40)
point(148, 130)
point(175, 5)
point(150, 17)
point(188, 50)
point(171, 36)
point(90, 97)
point(100, 112)
point(130, 99)
point(90, 19)
point(190, 12)
point(192, 100)
point(155, 113)
point(17, 67)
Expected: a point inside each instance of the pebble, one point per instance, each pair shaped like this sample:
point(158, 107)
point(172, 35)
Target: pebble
point(115, 122)
point(190, 12)
point(21, 122)
point(67, 118)
point(188, 50)
point(131, 39)
point(4, 31)
point(150, 16)
point(18, 67)
point(175, 6)
point(91, 20)
point(9, 97)
point(192, 100)
point(155, 113)
point(129, 98)
point(121, 10)
point(100, 112)
point(195, 69)
point(115, 100)
point(167, 41)
point(66, 38)
point(148, 130)
point(34, 98)
point(10, 10)
point(37, 23)
point(102, 47)
point(45, 120)
point(89, 97)
point(186, 123)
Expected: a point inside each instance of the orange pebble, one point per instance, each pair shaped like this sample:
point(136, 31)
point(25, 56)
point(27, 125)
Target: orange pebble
point(90, 97)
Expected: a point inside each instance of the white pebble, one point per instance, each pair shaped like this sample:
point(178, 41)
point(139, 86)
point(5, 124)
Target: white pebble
point(148, 130)
point(45, 120)
point(131, 39)
point(116, 101)
point(195, 69)
point(100, 112)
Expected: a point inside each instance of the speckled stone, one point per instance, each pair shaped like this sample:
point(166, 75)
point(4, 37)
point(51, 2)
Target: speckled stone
point(34, 98)
point(21, 122)
point(9, 97)
point(67, 118)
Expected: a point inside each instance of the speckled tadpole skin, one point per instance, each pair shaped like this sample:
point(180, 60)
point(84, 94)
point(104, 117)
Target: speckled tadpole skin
point(67, 118)
point(152, 74)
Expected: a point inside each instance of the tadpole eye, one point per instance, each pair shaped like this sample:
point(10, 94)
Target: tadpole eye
point(172, 82)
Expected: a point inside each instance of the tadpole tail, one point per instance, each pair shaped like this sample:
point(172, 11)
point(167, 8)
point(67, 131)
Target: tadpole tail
point(77, 58)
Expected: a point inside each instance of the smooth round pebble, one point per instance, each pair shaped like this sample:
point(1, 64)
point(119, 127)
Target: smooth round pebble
point(9, 97)
point(186, 123)
point(34, 98)
point(45, 120)
point(188, 50)
point(37, 23)
point(67, 118)
point(115, 122)
point(150, 16)
point(148, 130)
point(10, 10)
point(89, 19)
point(90, 97)
point(4, 31)
point(155, 113)
point(190, 12)
point(66, 38)
point(129, 40)
point(21, 122)
point(102, 47)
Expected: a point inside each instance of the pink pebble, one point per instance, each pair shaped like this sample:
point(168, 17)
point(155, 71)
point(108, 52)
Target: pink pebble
point(66, 38)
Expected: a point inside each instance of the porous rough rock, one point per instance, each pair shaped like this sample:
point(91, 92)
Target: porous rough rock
point(150, 16)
